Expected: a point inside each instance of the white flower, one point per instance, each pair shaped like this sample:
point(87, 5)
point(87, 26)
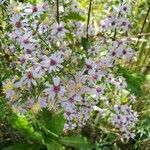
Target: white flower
point(2, 1)
point(124, 24)
point(94, 49)
point(98, 91)
point(120, 83)
point(124, 119)
point(17, 23)
point(74, 6)
point(34, 10)
point(124, 8)
point(26, 40)
point(42, 102)
point(58, 30)
point(127, 53)
point(16, 8)
point(43, 28)
point(105, 62)
point(28, 78)
point(53, 63)
point(70, 126)
point(55, 89)
point(90, 64)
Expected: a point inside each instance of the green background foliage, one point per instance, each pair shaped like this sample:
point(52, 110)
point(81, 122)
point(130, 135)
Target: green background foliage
point(45, 131)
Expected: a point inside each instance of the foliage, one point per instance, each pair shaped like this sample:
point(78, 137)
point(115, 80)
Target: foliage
point(98, 78)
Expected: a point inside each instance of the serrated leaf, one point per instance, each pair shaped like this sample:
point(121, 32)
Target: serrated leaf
point(54, 123)
point(25, 128)
point(78, 142)
point(134, 80)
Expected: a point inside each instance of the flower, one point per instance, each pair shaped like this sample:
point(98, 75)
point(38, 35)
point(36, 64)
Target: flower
point(16, 8)
point(94, 50)
point(34, 10)
point(124, 24)
point(58, 30)
point(2, 1)
point(53, 63)
point(124, 119)
point(28, 78)
point(17, 23)
point(54, 90)
point(98, 91)
point(90, 64)
point(42, 102)
point(124, 8)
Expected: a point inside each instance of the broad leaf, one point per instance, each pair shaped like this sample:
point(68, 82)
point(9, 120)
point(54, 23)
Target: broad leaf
point(25, 127)
point(54, 123)
point(23, 147)
point(53, 145)
point(78, 142)
point(134, 80)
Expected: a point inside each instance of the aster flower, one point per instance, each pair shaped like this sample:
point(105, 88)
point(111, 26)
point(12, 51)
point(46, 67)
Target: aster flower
point(90, 64)
point(26, 40)
point(55, 90)
point(29, 78)
point(2, 1)
point(124, 8)
point(16, 8)
point(98, 91)
point(94, 50)
point(42, 102)
point(58, 30)
point(74, 6)
point(125, 119)
point(34, 10)
point(9, 89)
point(17, 23)
point(53, 63)
point(124, 24)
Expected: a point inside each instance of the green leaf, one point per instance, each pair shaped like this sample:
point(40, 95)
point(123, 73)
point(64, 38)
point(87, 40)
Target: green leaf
point(54, 123)
point(23, 147)
point(53, 145)
point(134, 80)
point(78, 142)
point(85, 43)
point(74, 16)
point(24, 126)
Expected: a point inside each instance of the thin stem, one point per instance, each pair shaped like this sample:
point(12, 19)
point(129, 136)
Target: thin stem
point(143, 25)
point(124, 37)
point(115, 33)
point(57, 15)
point(88, 19)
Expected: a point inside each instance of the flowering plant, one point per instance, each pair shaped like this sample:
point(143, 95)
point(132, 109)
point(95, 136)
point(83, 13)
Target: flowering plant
point(66, 68)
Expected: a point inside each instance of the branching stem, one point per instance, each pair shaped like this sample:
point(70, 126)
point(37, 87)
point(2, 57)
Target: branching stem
point(57, 15)
point(88, 19)
point(143, 25)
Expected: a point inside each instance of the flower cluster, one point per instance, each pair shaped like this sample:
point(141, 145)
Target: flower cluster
point(125, 119)
point(118, 19)
point(58, 67)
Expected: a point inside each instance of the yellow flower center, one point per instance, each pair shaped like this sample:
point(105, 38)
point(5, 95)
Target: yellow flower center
point(15, 97)
point(78, 86)
point(8, 86)
point(16, 9)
